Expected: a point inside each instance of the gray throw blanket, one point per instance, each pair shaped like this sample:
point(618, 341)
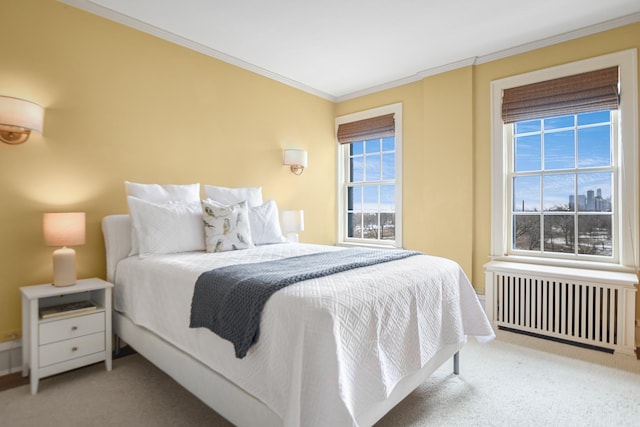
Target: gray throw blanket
point(229, 300)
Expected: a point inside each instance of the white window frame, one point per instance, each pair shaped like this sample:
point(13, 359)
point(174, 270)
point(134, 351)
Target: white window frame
point(342, 156)
point(627, 156)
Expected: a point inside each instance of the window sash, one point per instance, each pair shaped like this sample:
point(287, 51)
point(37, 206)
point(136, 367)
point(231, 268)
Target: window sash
point(543, 214)
point(377, 183)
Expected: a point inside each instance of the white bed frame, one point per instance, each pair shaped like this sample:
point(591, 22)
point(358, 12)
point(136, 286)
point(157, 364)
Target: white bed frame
point(223, 396)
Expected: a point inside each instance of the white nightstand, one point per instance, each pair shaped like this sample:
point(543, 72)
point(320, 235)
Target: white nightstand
point(69, 341)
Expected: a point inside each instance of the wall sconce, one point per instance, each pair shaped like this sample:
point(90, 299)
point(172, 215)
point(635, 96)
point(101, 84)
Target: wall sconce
point(18, 118)
point(64, 229)
point(292, 220)
point(297, 159)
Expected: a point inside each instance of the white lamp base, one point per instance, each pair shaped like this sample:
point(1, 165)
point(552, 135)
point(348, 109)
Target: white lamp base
point(64, 267)
point(293, 237)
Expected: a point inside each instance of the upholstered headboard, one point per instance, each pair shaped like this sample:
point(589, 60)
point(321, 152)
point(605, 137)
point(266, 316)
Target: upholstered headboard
point(117, 241)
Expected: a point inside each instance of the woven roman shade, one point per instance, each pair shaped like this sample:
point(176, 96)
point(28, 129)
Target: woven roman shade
point(374, 127)
point(579, 93)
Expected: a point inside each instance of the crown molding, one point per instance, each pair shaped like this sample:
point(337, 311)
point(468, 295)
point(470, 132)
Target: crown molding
point(448, 67)
point(410, 79)
point(561, 38)
point(549, 41)
point(91, 7)
point(378, 88)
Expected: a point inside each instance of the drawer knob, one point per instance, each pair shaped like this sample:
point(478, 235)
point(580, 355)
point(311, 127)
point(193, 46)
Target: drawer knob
point(74, 348)
point(74, 328)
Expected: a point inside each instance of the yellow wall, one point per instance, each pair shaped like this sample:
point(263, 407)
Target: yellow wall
point(447, 147)
point(627, 37)
point(437, 161)
point(123, 105)
point(623, 38)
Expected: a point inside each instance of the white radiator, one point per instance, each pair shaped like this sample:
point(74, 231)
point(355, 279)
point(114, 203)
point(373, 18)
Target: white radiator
point(588, 307)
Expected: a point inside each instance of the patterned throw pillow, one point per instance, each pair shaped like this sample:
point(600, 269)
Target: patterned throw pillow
point(226, 228)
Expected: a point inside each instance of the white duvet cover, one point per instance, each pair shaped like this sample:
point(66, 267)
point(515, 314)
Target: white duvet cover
point(329, 348)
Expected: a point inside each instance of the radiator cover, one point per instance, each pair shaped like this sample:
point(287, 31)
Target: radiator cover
point(588, 307)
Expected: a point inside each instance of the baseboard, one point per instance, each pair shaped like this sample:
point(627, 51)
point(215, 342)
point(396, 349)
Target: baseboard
point(10, 357)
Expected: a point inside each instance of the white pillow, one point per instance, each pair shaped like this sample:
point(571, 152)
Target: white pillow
point(163, 193)
point(226, 228)
point(230, 196)
point(166, 227)
point(189, 193)
point(265, 224)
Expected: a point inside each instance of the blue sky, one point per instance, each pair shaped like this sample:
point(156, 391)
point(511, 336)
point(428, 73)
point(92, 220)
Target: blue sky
point(553, 147)
point(559, 146)
point(371, 161)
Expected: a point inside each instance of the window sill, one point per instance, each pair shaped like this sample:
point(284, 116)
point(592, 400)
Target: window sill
point(591, 272)
point(564, 263)
point(368, 245)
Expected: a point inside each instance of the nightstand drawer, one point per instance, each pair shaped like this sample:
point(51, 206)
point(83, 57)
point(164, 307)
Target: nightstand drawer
point(70, 349)
point(72, 327)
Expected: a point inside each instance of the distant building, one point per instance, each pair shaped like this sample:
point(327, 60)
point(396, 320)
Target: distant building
point(592, 202)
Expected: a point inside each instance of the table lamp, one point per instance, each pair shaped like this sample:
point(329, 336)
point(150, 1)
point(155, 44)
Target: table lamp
point(64, 229)
point(292, 220)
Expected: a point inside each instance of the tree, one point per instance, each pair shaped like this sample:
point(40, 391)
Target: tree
point(527, 232)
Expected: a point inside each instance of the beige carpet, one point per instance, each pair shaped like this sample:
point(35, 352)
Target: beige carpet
point(500, 384)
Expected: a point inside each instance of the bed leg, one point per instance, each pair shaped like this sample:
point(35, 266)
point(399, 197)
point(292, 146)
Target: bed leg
point(116, 345)
point(456, 363)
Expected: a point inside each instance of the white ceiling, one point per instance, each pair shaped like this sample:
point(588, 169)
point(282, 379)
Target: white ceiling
point(339, 49)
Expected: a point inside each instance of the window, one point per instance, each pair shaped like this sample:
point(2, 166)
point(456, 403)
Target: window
point(369, 171)
point(561, 179)
point(564, 180)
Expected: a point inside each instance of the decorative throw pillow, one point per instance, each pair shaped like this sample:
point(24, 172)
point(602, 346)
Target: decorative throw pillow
point(230, 196)
point(166, 227)
point(226, 228)
point(265, 224)
point(158, 193)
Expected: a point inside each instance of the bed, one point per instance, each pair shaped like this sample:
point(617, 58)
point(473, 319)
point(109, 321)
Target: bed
point(340, 350)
